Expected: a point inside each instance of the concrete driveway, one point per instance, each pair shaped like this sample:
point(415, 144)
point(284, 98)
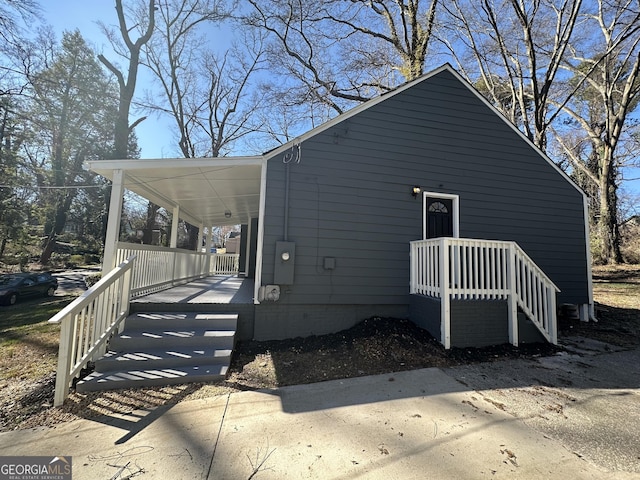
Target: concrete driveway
point(72, 282)
point(573, 416)
point(587, 398)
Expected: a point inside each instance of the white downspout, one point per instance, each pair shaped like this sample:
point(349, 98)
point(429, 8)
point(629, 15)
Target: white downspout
point(587, 312)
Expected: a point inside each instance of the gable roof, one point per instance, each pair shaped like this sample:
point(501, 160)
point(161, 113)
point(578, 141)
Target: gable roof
point(207, 188)
point(375, 101)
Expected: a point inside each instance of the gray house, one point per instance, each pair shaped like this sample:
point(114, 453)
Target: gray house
point(424, 203)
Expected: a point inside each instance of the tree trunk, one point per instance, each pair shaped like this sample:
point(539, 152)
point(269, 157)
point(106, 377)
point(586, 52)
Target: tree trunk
point(150, 224)
point(60, 220)
point(608, 231)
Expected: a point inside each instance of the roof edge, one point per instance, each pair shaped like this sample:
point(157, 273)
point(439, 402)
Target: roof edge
point(544, 156)
point(152, 163)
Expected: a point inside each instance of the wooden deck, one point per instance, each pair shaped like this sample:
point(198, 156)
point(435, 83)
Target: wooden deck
point(217, 289)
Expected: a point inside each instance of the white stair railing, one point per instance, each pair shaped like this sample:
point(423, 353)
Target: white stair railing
point(536, 295)
point(469, 269)
point(87, 323)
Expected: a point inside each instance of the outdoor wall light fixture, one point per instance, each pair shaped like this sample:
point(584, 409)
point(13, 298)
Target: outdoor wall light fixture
point(227, 214)
point(415, 191)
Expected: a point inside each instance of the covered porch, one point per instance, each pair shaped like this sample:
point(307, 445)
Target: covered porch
point(162, 315)
point(204, 192)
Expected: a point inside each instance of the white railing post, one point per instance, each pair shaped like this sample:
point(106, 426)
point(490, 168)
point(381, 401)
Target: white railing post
point(553, 319)
point(174, 267)
point(512, 297)
point(445, 297)
point(63, 382)
point(125, 296)
point(413, 266)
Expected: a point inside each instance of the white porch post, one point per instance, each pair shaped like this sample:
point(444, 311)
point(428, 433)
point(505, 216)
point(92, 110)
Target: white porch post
point(248, 249)
point(174, 239)
point(113, 223)
point(260, 243)
point(207, 239)
point(174, 227)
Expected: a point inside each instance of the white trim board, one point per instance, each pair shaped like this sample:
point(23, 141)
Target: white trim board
point(456, 211)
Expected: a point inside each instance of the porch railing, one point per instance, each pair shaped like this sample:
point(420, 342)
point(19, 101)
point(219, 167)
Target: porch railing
point(159, 268)
point(224, 264)
point(468, 269)
point(87, 323)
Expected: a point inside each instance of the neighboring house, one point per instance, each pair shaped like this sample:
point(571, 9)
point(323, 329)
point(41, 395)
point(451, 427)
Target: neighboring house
point(233, 243)
point(328, 218)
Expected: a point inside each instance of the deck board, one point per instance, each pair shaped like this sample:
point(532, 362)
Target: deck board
point(218, 289)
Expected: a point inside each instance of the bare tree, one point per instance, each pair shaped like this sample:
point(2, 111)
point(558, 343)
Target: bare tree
point(518, 54)
point(14, 15)
point(16, 50)
point(204, 91)
point(132, 54)
point(512, 50)
point(336, 53)
point(598, 130)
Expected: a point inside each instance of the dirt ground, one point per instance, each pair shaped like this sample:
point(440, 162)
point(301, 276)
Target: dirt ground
point(374, 346)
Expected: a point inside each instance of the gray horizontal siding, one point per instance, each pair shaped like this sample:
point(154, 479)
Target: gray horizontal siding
point(478, 323)
point(278, 321)
point(349, 197)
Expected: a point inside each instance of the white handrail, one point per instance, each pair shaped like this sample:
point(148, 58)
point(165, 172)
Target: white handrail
point(159, 268)
point(87, 323)
point(470, 269)
point(536, 294)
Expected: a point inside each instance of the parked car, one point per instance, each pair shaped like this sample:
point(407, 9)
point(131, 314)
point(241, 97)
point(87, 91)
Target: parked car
point(14, 286)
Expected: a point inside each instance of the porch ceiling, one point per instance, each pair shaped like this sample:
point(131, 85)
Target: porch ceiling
point(203, 188)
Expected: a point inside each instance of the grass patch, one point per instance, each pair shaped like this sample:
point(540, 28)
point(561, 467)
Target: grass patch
point(31, 313)
point(617, 286)
point(28, 343)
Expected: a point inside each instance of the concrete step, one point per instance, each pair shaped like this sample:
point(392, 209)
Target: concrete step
point(98, 381)
point(161, 358)
point(161, 348)
point(169, 320)
point(136, 340)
